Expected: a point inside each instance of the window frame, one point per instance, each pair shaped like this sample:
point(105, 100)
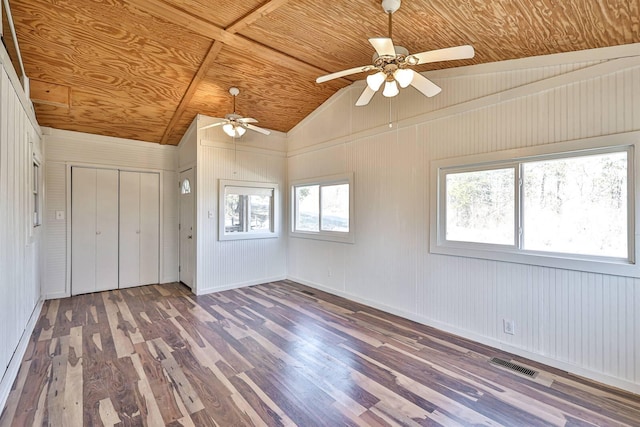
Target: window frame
point(36, 193)
point(325, 181)
point(274, 232)
point(517, 158)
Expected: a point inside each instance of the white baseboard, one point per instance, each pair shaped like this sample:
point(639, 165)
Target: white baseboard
point(239, 285)
point(55, 295)
point(11, 373)
point(492, 342)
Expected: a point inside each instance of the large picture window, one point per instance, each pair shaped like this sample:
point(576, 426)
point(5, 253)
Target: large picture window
point(322, 208)
point(247, 210)
point(572, 209)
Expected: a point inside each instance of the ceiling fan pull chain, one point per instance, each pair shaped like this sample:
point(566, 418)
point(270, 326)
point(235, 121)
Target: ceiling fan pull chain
point(235, 155)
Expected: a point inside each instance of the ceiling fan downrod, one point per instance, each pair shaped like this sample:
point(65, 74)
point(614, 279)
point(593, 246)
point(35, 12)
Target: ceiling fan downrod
point(390, 7)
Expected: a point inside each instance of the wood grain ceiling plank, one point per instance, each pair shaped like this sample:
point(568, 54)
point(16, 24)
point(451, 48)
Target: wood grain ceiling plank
point(49, 93)
point(209, 59)
point(109, 52)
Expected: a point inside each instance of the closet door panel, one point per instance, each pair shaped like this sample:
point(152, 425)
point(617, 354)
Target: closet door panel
point(106, 229)
point(149, 228)
point(83, 230)
point(129, 229)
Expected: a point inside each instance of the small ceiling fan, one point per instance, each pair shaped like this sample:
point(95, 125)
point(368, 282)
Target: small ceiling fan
point(234, 124)
point(393, 64)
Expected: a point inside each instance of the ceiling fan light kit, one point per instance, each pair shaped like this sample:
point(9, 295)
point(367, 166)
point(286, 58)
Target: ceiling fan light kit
point(234, 124)
point(233, 131)
point(392, 65)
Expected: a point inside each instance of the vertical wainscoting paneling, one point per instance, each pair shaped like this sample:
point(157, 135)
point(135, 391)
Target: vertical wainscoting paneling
point(234, 263)
point(56, 255)
point(583, 322)
point(19, 240)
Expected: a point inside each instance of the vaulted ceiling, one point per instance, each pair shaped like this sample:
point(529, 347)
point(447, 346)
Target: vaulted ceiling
point(142, 69)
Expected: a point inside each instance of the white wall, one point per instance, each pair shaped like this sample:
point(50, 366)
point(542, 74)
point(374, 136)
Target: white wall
point(65, 149)
point(229, 264)
point(586, 323)
point(20, 242)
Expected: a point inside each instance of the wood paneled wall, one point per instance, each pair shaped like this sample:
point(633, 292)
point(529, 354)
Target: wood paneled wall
point(65, 148)
point(254, 157)
point(586, 323)
point(20, 249)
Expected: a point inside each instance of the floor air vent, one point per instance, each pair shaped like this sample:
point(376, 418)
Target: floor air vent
point(514, 367)
point(306, 292)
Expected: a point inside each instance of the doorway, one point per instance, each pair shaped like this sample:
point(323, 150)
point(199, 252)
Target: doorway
point(187, 240)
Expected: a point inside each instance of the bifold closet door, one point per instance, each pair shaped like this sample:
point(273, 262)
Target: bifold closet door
point(139, 228)
point(94, 230)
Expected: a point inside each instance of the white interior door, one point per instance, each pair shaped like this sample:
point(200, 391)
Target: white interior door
point(149, 228)
point(94, 230)
point(139, 228)
point(107, 229)
point(187, 238)
point(129, 272)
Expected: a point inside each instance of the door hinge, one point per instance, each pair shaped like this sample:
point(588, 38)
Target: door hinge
point(179, 269)
point(178, 226)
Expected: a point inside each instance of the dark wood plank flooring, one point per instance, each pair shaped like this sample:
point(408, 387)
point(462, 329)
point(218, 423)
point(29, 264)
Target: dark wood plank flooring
point(278, 354)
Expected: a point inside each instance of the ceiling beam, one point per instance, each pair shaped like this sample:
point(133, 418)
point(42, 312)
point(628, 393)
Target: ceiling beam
point(252, 17)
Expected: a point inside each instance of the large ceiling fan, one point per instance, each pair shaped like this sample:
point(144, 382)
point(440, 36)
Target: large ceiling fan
point(393, 64)
point(234, 124)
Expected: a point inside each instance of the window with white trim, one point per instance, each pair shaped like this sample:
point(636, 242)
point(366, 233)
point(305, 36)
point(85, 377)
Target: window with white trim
point(247, 210)
point(322, 208)
point(571, 209)
point(35, 189)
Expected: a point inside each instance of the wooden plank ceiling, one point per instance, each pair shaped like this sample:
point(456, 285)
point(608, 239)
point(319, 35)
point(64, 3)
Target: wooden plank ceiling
point(142, 69)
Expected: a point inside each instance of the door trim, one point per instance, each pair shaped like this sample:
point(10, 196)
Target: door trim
point(194, 186)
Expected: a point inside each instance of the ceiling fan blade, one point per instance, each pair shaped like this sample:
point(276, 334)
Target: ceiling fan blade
point(257, 129)
point(343, 73)
point(424, 85)
point(365, 97)
point(210, 126)
point(447, 54)
point(247, 120)
point(383, 46)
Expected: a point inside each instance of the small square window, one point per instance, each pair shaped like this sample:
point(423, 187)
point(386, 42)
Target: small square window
point(247, 210)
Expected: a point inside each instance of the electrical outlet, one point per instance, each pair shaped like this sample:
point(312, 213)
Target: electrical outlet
point(328, 272)
point(509, 326)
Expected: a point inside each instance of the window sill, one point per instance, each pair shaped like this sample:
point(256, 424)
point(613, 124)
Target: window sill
point(611, 266)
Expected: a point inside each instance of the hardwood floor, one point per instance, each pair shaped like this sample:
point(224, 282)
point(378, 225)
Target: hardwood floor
point(278, 354)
